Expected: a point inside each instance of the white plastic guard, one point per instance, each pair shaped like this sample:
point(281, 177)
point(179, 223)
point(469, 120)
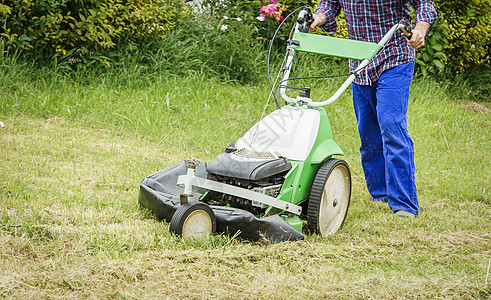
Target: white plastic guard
point(288, 132)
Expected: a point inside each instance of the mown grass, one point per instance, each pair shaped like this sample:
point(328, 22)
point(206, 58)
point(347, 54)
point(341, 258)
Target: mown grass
point(74, 151)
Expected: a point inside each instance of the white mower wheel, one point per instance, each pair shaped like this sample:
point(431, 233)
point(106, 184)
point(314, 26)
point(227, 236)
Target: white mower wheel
point(193, 220)
point(329, 197)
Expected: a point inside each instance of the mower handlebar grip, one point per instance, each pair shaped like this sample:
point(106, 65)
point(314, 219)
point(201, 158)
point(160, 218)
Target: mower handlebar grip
point(304, 20)
point(406, 29)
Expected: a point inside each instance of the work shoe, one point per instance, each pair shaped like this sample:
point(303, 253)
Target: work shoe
point(404, 214)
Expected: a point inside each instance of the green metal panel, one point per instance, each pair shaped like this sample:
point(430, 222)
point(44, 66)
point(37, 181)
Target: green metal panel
point(298, 181)
point(294, 221)
point(324, 149)
point(344, 48)
point(301, 182)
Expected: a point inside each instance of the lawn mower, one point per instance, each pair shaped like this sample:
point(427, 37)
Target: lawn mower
point(280, 175)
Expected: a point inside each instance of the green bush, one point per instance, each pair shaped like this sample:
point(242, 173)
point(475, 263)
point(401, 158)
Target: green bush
point(216, 44)
point(80, 29)
point(221, 46)
point(431, 59)
point(459, 40)
point(469, 31)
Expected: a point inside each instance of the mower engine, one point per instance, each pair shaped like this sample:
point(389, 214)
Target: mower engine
point(260, 172)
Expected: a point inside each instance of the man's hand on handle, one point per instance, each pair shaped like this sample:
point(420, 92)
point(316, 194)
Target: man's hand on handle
point(319, 19)
point(419, 33)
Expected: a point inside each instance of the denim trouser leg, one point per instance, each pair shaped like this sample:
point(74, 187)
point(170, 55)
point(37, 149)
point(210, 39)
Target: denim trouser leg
point(387, 151)
point(371, 149)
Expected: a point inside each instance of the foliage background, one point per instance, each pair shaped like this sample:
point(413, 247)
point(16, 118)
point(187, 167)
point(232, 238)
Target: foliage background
point(468, 31)
point(161, 34)
point(82, 29)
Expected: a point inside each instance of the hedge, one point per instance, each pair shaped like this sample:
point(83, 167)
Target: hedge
point(84, 27)
point(468, 31)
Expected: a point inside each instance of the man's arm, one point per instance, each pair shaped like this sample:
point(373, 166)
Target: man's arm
point(319, 20)
point(419, 33)
point(325, 15)
point(425, 17)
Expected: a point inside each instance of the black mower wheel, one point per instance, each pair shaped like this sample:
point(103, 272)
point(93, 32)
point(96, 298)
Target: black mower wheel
point(329, 197)
point(193, 220)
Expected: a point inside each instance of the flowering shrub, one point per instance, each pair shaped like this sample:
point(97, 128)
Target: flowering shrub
point(272, 10)
point(270, 17)
point(225, 21)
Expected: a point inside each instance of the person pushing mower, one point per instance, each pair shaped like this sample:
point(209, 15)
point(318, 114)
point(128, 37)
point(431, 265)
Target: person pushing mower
point(381, 92)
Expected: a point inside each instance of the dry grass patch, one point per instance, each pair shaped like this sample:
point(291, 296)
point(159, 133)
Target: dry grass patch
point(70, 227)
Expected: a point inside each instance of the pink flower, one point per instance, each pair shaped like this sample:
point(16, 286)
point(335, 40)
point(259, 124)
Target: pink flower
point(270, 9)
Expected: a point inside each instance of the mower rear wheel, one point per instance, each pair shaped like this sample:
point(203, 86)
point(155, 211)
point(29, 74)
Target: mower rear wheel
point(193, 220)
point(329, 197)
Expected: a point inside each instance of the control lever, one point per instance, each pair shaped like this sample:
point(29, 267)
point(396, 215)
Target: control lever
point(406, 29)
point(304, 20)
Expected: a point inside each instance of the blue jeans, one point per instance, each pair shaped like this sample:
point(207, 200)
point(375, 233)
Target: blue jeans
point(387, 151)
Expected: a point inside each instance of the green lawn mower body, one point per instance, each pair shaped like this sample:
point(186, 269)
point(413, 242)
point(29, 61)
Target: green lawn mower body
point(283, 166)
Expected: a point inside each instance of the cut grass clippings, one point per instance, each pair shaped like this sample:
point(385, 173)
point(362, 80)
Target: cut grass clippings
point(72, 158)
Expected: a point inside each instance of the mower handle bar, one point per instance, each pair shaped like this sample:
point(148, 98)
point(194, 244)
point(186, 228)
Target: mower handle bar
point(344, 86)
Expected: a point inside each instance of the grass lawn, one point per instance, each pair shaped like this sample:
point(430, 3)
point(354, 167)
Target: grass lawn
point(72, 156)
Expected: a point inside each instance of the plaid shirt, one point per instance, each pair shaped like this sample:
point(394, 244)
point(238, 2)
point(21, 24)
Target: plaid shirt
point(369, 20)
